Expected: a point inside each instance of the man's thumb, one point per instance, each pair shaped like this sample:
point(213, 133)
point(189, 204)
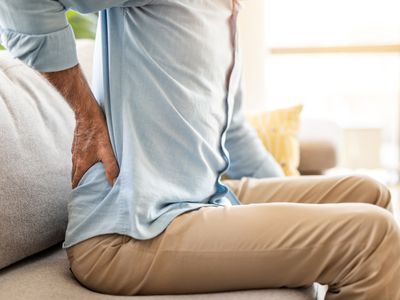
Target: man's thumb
point(111, 167)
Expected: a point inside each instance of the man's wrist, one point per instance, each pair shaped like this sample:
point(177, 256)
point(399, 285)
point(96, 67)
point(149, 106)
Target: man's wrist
point(72, 85)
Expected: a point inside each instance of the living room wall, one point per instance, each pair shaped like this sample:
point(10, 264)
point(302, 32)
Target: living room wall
point(252, 41)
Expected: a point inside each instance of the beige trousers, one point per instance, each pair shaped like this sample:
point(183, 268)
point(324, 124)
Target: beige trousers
point(291, 232)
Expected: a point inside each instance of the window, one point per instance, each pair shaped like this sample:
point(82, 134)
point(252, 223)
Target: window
point(341, 59)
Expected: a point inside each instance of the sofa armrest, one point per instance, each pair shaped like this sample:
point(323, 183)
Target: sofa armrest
point(319, 142)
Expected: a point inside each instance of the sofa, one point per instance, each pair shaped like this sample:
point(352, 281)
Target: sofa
point(36, 130)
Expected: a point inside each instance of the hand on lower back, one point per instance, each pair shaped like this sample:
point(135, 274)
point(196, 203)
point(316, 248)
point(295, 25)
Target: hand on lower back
point(92, 144)
point(91, 141)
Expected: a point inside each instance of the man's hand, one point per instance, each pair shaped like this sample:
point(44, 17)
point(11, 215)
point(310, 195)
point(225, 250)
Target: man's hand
point(92, 144)
point(91, 141)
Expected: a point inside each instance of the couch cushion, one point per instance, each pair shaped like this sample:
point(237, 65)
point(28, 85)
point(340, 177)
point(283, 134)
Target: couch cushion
point(36, 130)
point(46, 276)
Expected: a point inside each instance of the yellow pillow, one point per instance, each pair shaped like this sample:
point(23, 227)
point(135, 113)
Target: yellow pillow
point(278, 130)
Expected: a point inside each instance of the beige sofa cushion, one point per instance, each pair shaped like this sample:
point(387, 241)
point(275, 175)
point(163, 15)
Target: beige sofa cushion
point(317, 156)
point(36, 130)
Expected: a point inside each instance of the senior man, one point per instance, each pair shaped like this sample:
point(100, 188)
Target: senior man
point(149, 213)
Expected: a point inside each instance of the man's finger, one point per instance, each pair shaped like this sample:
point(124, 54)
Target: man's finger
point(74, 140)
point(73, 145)
point(110, 166)
point(80, 169)
point(73, 169)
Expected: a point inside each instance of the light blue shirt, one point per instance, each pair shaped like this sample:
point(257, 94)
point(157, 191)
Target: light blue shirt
point(168, 77)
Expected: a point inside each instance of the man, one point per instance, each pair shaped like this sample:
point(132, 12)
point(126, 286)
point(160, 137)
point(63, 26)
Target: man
point(149, 213)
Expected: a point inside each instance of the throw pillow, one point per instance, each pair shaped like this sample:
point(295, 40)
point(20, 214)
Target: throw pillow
point(278, 130)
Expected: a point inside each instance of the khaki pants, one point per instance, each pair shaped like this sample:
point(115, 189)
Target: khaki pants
point(291, 232)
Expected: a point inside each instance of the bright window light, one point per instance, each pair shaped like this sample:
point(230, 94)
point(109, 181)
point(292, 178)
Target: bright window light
point(341, 59)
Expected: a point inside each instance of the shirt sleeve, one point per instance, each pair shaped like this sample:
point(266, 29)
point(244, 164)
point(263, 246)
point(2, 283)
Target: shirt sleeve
point(38, 33)
point(248, 156)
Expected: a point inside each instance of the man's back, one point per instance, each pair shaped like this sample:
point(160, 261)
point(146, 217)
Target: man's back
point(164, 92)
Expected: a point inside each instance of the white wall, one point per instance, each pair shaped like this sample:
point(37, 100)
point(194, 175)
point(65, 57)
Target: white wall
point(252, 41)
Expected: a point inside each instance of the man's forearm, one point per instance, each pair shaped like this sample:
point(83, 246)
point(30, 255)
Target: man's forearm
point(91, 139)
point(73, 86)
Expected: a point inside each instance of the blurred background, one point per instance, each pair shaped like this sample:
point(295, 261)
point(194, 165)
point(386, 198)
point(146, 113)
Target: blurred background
point(340, 59)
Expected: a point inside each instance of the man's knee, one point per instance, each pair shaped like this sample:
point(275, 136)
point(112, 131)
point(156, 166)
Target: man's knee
point(373, 191)
point(374, 247)
point(377, 224)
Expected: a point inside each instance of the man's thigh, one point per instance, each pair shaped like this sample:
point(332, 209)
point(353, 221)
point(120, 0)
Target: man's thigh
point(274, 245)
point(312, 189)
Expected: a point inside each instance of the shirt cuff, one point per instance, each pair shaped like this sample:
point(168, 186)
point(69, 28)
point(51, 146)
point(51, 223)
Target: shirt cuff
point(49, 52)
